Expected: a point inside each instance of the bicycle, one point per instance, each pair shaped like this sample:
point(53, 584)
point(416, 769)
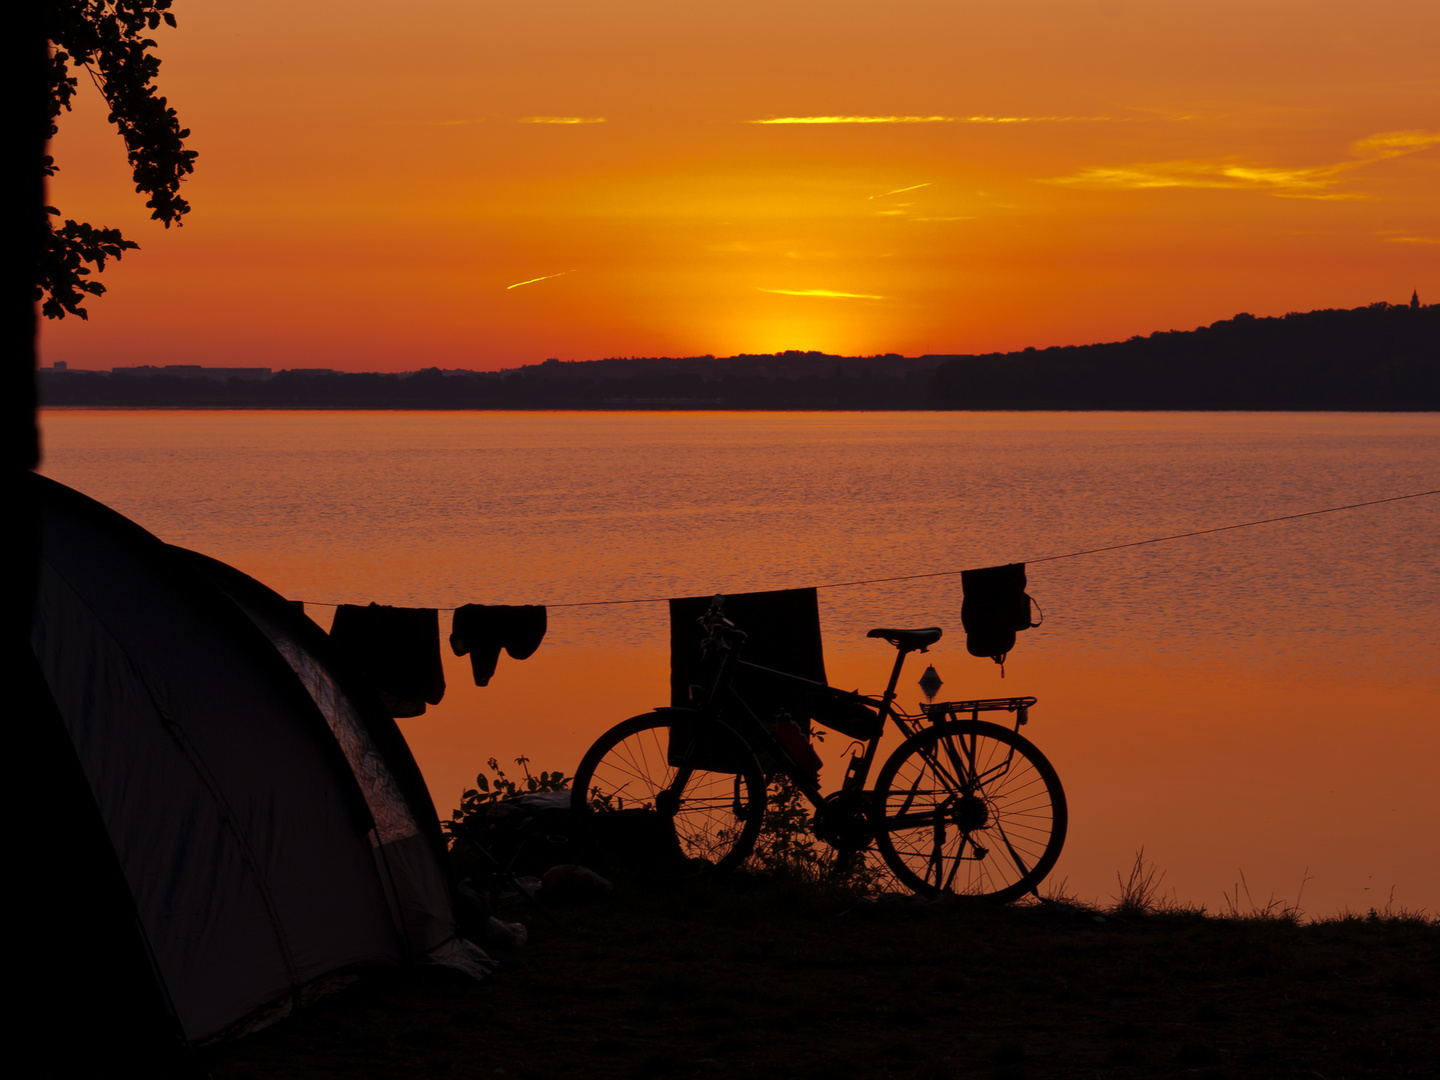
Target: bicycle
point(962, 806)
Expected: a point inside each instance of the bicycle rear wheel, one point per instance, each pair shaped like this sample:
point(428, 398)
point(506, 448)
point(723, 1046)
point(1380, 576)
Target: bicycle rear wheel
point(969, 808)
point(715, 816)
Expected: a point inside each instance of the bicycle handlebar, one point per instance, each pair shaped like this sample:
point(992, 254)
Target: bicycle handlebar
point(720, 633)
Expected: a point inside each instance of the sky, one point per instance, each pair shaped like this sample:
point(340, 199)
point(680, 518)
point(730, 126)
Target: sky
point(482, 184)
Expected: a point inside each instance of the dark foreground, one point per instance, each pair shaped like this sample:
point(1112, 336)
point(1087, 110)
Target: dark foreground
point(751, 978)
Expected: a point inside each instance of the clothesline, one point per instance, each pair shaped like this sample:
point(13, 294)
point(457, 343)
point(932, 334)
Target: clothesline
point(1045, 558)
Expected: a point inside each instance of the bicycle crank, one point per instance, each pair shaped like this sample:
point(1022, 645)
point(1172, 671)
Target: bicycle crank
point(843, 821)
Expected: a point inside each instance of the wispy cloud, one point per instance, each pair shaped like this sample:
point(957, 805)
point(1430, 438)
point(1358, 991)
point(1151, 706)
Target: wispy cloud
point(533, 280)
point(1412, 239)
point(563, 120)
point(926, 119)
point(826, 293)
point(1394, 144)
point(857, 120)
point(1033, 119)
point(1290, 183)
point(1200, 174)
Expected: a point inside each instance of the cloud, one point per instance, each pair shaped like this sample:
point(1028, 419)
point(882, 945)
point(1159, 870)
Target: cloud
point(1201, 174)
point(1412, 239)
point(1394, 144)
point(562, 120)
point(826, 293)
point(1334, 196)
point(926, 119)
point(857, 120)
point(533, 280)
point(1287, 183)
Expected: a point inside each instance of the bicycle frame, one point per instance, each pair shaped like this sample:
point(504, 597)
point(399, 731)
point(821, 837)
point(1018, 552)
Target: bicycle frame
point(753, 731)
point(958, 805)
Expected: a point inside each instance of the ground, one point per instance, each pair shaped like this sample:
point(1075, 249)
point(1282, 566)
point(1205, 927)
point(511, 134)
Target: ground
point(755, 977)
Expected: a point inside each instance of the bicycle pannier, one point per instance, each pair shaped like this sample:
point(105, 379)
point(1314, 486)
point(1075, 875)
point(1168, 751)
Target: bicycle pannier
point(703, 746)
point(995, 607)
point(844, 712)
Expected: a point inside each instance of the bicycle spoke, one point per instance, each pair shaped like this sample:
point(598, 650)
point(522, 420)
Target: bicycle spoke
point(1019, 862)
point(972, 810)
point(955, 865)
point(714, 816)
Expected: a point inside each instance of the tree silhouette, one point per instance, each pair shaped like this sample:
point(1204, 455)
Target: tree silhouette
point(106, 39)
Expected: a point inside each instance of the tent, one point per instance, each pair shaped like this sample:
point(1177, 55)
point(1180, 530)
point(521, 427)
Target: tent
point(268, 819)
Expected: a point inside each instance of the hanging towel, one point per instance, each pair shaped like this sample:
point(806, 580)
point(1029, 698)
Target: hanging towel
point(783, 628)
point(398, 648)
point(995, 607)
point(482, 630)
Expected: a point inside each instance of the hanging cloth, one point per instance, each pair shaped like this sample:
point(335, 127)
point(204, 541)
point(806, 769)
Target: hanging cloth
point(995, 607)
point(782, 630)
point(783, 633)
point(398, 648)
point(482, 630)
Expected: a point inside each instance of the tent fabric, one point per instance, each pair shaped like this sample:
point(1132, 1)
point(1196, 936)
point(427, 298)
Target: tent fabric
point(243, 835)
point(783, 628)
point(408, 845)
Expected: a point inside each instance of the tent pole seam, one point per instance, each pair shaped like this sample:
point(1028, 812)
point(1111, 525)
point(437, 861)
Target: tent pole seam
point(197, 763)
point(192, 755)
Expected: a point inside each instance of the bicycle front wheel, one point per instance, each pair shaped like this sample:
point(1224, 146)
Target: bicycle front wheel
point(715, 816)
point(969, 808)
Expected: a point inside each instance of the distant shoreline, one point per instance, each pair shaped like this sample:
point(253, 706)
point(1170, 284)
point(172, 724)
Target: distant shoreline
point(1380, 358)
point(459, 409)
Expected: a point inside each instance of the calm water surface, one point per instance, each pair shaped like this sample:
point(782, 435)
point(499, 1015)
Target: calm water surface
point(1261, 701)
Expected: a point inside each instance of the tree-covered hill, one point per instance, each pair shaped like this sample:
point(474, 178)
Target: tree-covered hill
point(1383, 356)
point(1378, 357)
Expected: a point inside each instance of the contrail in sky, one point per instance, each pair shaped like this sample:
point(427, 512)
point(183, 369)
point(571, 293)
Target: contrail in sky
point(898, 190)
point(532, 280)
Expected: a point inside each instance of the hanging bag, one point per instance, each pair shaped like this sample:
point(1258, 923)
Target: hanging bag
point(995, 608)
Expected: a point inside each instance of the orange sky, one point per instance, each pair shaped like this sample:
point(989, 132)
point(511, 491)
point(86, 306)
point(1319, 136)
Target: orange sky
point(372, 177)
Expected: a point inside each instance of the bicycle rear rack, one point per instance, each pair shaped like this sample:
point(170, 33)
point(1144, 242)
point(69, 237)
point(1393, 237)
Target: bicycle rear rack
point(940, 711)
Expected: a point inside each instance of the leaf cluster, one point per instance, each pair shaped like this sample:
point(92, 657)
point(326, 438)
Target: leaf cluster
point(62, 278)
point(477, 800)
point(788, 848)
point(107, 39)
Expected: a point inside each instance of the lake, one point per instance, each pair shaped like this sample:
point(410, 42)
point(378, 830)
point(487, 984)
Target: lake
point(1262, 701)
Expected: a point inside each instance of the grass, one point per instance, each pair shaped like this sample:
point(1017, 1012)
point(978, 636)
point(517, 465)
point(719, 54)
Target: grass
point(763, 975)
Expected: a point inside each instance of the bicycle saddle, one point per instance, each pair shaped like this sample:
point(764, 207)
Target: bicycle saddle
point(910, 640)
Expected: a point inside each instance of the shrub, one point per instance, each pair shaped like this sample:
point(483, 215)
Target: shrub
point(487, 792)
